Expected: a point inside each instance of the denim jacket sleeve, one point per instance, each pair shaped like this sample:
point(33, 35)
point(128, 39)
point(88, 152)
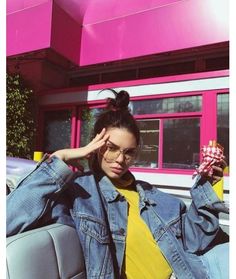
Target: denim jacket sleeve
point(201, 222)
point(38, 195)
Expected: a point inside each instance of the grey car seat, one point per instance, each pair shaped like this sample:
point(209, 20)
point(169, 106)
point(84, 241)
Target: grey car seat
point(50, 252)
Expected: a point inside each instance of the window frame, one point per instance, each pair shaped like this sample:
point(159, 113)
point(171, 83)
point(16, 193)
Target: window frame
point(208, 111)
point(209, 100)
point(43, 110)
point(226, 171)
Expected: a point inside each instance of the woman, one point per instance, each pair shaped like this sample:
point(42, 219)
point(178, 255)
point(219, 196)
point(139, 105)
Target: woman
point(127, 228)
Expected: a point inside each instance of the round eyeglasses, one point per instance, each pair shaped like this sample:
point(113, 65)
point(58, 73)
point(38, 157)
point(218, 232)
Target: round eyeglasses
point(111, 152)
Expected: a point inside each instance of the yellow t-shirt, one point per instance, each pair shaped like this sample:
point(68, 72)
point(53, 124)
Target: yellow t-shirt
point(143, 258)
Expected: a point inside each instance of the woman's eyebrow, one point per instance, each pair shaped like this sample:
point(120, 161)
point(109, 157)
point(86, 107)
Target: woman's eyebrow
point(113, 143)
point(128, 149)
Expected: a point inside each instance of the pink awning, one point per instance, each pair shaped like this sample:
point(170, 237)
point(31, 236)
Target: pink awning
point(98, 31)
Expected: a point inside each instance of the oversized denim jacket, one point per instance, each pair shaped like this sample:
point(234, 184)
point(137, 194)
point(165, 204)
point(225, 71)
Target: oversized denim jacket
point(53, 193)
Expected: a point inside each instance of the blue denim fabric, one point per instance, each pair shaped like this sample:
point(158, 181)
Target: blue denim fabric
point(52, 193)
point(216, 261)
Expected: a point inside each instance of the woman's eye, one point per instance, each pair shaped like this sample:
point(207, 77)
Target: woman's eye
point(111, 148)
point(131, 152)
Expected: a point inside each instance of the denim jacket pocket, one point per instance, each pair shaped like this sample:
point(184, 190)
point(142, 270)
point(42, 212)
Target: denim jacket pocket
point(94, 228)
point(97, 253)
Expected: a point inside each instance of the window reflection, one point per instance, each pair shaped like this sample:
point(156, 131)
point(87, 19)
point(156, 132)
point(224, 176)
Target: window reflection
point(167, 105)
point(88, 118)
point(149, 145)
point(223, 122)
point(181, 143)
point(57, 130)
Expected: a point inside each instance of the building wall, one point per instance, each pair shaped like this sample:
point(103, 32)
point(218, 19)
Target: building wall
point(198, 103)
point(205, 85)
point(176, 73)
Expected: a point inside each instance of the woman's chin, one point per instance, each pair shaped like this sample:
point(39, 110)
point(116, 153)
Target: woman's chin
point(114, 175)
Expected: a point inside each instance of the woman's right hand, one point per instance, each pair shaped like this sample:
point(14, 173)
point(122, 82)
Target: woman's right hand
point(72, 156)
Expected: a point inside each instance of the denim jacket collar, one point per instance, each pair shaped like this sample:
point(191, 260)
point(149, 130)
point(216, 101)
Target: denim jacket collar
point(108, 189)
point(111, 194)
point(144, 199)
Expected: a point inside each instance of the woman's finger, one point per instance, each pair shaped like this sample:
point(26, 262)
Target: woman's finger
point(217, 169)
point(215, 179)
point(99, 136)
point(223, 164)
point(96, 145)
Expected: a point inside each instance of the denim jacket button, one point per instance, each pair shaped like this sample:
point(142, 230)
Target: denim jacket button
point(122, 231)
point(122, 198)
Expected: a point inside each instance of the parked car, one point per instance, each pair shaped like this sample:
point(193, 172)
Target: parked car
point(16, 169)
point(50, 252)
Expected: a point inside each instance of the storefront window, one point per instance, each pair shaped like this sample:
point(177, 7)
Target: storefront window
point(223, 122)
point(57, 130)
point(167, 105)
point(149, 143)
point(88, 118)
point(181, 143)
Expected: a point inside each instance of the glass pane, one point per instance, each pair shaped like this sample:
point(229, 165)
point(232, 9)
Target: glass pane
point(167, 105)
point(223, 123)
point(181, 141)
point(88, 118)
point(57, 130)
point(149, 135)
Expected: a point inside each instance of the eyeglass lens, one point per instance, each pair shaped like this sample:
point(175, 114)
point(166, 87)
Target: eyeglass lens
point(113, 153)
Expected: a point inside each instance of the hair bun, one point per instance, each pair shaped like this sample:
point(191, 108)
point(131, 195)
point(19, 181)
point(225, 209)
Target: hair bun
point(120, 102)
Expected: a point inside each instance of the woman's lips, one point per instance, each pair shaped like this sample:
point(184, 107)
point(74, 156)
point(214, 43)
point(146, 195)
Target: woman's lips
point(117, 170)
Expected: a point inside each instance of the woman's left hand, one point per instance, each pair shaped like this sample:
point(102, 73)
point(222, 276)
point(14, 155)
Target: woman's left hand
point(218, 172)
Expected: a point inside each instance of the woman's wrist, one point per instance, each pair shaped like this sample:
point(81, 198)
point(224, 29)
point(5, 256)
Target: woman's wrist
point(72, 154)
point(60, 155)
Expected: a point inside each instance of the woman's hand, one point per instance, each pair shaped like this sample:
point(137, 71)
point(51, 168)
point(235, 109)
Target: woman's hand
point(72, 156)
point(218, 172)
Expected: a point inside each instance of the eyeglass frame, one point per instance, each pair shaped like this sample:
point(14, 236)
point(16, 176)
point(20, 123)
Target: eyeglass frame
point(127, 160)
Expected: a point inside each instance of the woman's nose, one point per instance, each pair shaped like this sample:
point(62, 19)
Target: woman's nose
point(120, 158)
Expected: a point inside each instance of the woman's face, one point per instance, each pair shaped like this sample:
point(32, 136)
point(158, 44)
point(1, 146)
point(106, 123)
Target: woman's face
point(118, 153)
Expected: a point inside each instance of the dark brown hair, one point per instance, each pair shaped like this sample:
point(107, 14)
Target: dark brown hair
point(116, 115)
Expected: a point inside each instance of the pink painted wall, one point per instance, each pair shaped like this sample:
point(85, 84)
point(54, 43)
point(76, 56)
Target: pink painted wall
point(113, 9)
point(96, 31)
point(162, 28)
point(17, 5)
point(65, 35)
point(38, 24)
point(28, 27)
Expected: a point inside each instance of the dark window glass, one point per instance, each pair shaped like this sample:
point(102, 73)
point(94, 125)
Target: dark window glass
point(57, 130)
point(223, 122)
point(181, 143)
point(88, 118)
point(119, 75)
point(84, 80)
point(163, 70)
point(167, 105)
point(217, 63)
point(149, 135)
